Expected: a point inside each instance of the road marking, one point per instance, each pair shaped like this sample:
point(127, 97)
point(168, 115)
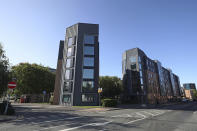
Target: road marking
point(141, 114)
point(148, 113)
point(157, 112)
point(54, 127)
point(195, 112)
point(91, 124)
point(144, 117)
point(123, 115)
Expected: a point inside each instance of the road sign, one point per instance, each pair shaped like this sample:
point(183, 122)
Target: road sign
point(12, 85)
point(100, 90)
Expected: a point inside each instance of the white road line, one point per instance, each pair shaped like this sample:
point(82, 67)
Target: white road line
point(54, 127)
point(123, 115)
point(135, 120)
point(157, 112)
point(148, 113)
point(91, 124)
point(144, 117)
point(141, 114)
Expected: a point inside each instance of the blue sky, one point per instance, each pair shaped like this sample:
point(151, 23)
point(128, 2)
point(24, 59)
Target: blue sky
point(166, 30)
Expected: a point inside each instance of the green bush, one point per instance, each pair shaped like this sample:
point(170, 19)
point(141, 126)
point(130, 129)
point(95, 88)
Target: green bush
point(109, 102)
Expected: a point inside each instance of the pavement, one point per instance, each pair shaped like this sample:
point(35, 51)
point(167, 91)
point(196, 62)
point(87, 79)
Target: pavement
point(35, 117)
point(4, 118)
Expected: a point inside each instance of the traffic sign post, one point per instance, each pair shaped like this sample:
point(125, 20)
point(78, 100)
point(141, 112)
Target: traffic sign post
point(44, 93)
point(11, 85)
point(99, 91)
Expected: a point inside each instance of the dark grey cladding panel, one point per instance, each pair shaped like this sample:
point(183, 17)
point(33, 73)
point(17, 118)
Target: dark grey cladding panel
point(61, 48)
point(88, 28)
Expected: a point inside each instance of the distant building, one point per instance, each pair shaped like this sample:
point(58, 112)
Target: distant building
point(52, 70)
point(189, 86)
point(77, 73)
point(189, 94)
point(189, 89)
point(146, 81)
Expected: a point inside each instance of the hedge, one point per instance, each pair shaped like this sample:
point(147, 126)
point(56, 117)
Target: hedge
point(109, 102)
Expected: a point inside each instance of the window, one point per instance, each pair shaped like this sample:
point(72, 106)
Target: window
point(141, 74)
point(88, 50)
point(88, 73)
point(88, 61)
point(140, 66)
point(88, 86)
point(70, 40)
point(66, 98)
point(68, 63)
point(139, 59)
point(132, 59)
point(141, 81)
point(68, 74)
point(67, 87)
point(69, 52)
point(133, 66)
point(89, 39)
point(88, 98)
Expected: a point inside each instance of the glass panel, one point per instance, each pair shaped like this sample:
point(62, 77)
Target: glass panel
point(133, 59)
point(88, 50)
point(140, 66)
point(141, 81)
point(88, 98)
point(88, 39)
point(67, 87)
point(88, 73)
point(139, 59)
point(88, 85)
point(140, 73)
point(70, 40)
point(69, 52)
point(88, 61)
point(66, 98)
point(133, 66)
point(68, 63)
point(68, 74)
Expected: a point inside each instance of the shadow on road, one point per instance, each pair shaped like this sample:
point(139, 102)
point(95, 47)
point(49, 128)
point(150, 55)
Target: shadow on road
point(186, 106)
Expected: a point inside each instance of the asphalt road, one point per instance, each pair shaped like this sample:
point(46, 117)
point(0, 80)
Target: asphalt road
point(182, 117)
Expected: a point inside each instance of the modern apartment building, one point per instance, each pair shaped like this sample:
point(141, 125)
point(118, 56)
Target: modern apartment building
point(77, 73)
point(146, 81)
point(189, 86)
point(189, 89)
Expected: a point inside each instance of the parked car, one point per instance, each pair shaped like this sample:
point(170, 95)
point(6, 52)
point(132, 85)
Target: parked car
point(184, 100)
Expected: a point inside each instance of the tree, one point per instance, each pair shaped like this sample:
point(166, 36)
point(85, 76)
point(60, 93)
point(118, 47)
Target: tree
point(112, 86)
point(4, 71)
point(33, 79)
point(195, 94)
